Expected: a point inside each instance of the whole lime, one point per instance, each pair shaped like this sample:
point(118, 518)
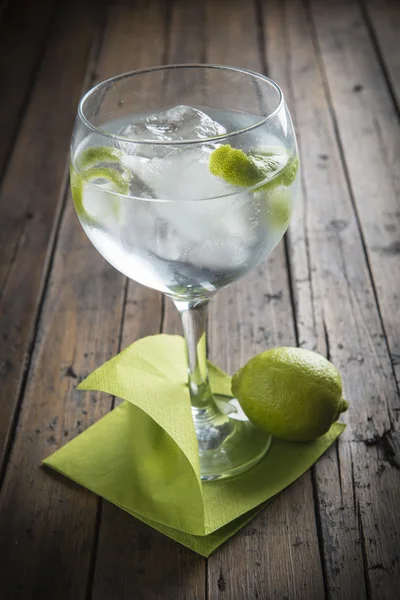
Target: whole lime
point(292, 393)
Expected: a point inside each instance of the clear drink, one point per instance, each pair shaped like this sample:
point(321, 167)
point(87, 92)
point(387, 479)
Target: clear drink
point(158, 214)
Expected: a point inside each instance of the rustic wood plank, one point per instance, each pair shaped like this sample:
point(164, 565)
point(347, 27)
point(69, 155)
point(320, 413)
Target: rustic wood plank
point(188, 33)
point(364, 111)
point(47, 523)
point(31, 196)
point(337, 314)
point(377, 484)
point(273, 556)
point(383, 18)
point(375, 115)
point(132, 558)
point(144, 563)
point(24, 31)
point(46, 526)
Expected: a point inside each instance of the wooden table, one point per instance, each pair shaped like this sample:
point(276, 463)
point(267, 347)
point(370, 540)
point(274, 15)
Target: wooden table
point(333, 285)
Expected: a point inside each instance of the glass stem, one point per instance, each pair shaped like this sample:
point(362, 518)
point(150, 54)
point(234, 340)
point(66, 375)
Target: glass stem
point(194, 321)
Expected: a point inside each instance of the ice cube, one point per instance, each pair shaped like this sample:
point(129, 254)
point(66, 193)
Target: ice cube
point(179, 123)
point(101, 205)
point(201, 218)
point(182, 175)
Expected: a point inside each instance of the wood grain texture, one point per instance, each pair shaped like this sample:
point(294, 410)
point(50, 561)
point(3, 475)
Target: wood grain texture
point(187, 40)
point(369, 131)
point(48, 523)
point(23, 36)
point(31, 196)
point(383, 19)
point(132, 559)
point(377, 486)
point(335, 308)
point(335, 533)
point(277, 554)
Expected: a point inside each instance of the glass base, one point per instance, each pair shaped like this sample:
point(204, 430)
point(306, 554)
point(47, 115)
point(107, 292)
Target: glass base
point(229, 443)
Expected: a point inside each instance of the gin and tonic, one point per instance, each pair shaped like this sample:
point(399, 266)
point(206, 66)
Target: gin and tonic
point(184, 178)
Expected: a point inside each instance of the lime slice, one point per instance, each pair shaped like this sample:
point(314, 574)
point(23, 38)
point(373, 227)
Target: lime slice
point(115, 179)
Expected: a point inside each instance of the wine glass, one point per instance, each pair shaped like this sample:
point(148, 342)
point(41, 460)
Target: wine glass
point(184, 177)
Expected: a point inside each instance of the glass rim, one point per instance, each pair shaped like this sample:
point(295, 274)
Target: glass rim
point(103, 132)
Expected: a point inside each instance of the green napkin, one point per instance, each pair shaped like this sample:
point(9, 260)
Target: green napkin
point(143, 455)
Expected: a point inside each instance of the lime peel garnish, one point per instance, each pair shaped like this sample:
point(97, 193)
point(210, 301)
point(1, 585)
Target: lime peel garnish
point(98, 154)
point(289, 172)
point(234, 166)
point(87, 162)
point(119, 179)
point(246, 170)
point(77, 190)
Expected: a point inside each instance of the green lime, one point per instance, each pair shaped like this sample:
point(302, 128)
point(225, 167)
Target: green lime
point(90, 162)
point(246, 170)
point(98, 154)
point(234, 166)
point(278, 207)
point(292, 393)
point(288, 174)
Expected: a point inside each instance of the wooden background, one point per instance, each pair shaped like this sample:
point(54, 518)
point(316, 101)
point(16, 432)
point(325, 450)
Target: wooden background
point(333, 285)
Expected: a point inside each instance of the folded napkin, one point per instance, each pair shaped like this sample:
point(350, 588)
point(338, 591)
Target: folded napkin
point(143, 455)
